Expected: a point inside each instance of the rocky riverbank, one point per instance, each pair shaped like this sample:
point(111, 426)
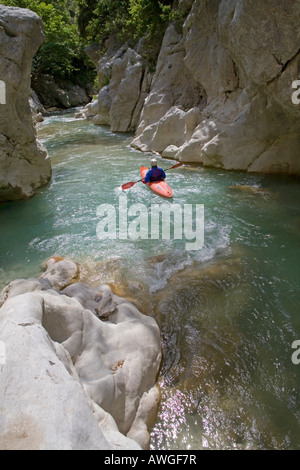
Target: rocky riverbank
point(80, 365)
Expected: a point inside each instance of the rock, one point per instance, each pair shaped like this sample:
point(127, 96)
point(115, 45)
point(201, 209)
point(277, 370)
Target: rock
point(37, 109)
point(91, 109)
point(99, 109)
point(172, 87)
point(120, 103)
point(24, 162)
point(61, 272)
point(70, 380)
point(172, 130)
point(241, 82)
point(39, 117)
point(60, 94)
point(44, 406)
point(251, 190)
point(79, 115)
point(126, 90)
point(145, 418)
point(104, 106)
point(22, 286)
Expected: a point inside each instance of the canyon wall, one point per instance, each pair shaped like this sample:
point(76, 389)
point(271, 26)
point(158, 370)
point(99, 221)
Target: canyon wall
point(222, 91)
point(24, 162)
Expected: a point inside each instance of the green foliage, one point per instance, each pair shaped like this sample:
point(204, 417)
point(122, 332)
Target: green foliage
point(61, 55)
point(100, 19)
point(148, 16)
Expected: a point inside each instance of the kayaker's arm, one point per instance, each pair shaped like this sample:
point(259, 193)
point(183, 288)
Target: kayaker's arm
point(148, 176)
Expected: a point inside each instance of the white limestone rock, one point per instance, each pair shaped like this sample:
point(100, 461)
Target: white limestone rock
point(126, 91)
point(120, 103)
point(242, 59)
point(24, 162)
point(71, 380)
point(61, 272)
point(102, 117)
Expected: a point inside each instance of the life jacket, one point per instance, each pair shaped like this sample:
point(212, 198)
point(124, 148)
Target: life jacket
point(156, 174)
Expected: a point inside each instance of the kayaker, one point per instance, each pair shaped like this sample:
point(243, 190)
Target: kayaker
point(155, 173)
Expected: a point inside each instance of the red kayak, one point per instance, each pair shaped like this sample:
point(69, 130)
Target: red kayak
point(161, 188)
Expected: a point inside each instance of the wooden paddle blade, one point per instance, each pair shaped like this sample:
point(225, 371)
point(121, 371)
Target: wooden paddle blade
point(128, 185)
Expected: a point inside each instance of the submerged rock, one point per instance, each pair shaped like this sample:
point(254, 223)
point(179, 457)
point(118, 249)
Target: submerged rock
point(24, 162)
point(252, 190)
point(71, 380)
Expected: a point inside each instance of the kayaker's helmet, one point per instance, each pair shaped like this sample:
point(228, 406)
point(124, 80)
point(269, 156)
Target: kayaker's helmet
point(153, 162)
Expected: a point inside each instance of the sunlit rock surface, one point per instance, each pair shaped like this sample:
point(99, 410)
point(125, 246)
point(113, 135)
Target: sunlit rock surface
point(80, 366)
point(24, 162)
point(235, 62)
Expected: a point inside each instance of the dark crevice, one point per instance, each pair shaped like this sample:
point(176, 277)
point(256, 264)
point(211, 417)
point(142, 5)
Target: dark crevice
point(137, 102)
point(9, 30)
point(284, 66)
point(287, 63)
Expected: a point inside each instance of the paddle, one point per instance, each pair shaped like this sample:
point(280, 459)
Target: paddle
point(132, 183)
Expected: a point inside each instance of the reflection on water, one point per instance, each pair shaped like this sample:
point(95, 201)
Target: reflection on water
point(228, 313)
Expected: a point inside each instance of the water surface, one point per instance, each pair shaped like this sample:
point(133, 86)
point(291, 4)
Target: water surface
point(228, 313)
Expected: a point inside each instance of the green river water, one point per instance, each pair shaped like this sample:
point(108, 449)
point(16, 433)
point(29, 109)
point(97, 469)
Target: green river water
point(228, 313)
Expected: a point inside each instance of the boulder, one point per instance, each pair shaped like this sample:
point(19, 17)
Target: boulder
point(24, 162)
point(174, 129)
point(91, 109)
point(80, 368)
point(37, 109)
point(60, 272)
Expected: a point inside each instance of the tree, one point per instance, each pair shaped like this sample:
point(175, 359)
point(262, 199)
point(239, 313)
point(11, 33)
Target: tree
point(149, 16)
point(62, 53)
point(100, 19)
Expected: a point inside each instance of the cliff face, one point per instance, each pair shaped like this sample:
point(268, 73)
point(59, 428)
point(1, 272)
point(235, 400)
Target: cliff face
point(222, 91)
point(120, 103)
point(244, 56)
point(24, 162)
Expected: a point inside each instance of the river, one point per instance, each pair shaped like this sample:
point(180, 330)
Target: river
point(228, 312)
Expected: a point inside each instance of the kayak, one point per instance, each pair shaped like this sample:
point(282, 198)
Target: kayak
point(161, 188)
